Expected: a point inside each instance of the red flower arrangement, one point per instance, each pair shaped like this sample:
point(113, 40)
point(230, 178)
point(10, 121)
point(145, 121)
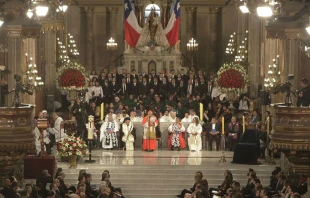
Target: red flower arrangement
point(71, 76)
point(72, 146)
point(232, 78)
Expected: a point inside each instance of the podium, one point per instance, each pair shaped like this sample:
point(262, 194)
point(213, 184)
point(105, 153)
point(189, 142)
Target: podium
point(33, 166)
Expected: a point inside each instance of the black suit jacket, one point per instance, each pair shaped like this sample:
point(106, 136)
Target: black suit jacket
point(202, 89)
point(115, 89)
point(134, 89)
point(144, 89)
point(42, 179)
point(155, 87)
point(106, 90)
point(172, 89)
point(163, 89)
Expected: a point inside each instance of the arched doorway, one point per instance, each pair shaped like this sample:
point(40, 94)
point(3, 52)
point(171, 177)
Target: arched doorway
point(152, 65)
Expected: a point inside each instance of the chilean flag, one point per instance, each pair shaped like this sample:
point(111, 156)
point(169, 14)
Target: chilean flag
point(172, 29)
point(132, 28)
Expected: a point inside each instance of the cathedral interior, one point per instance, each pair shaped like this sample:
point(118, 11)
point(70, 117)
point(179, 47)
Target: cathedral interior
point(273, 47)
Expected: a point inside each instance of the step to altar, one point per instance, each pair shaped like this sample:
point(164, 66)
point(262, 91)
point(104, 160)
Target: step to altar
point(161, 173)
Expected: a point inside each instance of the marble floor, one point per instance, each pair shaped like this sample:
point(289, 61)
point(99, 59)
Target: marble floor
point(161, 173)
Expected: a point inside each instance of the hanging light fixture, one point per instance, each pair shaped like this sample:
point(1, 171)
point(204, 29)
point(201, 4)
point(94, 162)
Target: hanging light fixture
point(244, 8)
point(308, 28)
point(1, 21)
point(29, 13)
point(41, 10)
point(264, 10)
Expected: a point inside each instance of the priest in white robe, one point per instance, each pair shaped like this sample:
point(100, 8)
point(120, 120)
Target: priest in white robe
point(108, 133)
point(194, 140)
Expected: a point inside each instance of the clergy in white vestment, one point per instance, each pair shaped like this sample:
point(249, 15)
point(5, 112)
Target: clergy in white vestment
point(165, 117)
point(128, 132)
point(194, 140)
point(108, 135)
point(186, 118)
point(37, 136)
point(57, 130)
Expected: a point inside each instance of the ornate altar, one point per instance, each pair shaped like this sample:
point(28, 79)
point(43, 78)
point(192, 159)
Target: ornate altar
point(153, 51)
point(16, 138)
point(292, 136)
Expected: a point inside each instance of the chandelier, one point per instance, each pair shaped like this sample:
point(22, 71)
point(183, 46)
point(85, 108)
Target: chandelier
point(68, 50)
point(273, 75)
point(231, 46)
point(34, 80)
point(242, 52)
point(42, 7)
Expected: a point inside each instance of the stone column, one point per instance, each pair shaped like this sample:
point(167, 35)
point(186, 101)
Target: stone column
point(190, 17)
point(112, 33)
point(15, 57)
point(112, 15)
point(213, 38)
point(50, 61)
point(89, 38)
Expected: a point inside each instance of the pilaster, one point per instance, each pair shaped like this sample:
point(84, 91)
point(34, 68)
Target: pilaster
point(89, 38)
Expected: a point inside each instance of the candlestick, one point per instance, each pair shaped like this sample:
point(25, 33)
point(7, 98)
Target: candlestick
point(268, 122)
point(223, 126)
point(91, 127)
point(243, 124)
point(101, 111)
point(201, 111)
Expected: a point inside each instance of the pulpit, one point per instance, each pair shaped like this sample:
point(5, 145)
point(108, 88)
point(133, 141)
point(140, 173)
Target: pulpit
point(292, 137)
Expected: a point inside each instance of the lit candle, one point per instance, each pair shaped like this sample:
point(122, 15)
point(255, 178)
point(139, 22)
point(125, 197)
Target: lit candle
point(102, 111)
point(201, 111)
point(243, 124)
point(223, 126)
point(268, 122)
point(91, 127)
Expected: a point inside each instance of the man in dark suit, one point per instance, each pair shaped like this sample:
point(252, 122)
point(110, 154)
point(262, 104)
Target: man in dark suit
point(209, 90)
point(303, 98)
point(184, 76)
point(134, 75)
point(173, 89)
point(182, 89)
point(44, 178)
point(124, 88)
point(106, 91)
point(202, 88)
point(115, 89)
point(163, 88)
point(155, 85)
point(190, 88)
point(7, 191)
point(134, 88)
point(196, 87)
point(144, 75)
point(152, 75)
point(173, 75)
point(144, 87)
point(214, 133)
point(89, 191)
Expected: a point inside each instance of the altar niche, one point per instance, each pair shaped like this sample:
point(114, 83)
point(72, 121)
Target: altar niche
point(153, 50)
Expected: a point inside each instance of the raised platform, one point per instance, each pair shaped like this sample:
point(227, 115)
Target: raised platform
point(161, 173)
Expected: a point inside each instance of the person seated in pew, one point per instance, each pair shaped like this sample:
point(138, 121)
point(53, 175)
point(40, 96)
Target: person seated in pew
point(213, 130)
point(194, 140)
point(233, 133)
point(176, 139)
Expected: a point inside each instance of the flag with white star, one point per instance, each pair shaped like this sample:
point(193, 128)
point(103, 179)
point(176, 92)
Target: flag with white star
point(172, 29)
point(131, 26)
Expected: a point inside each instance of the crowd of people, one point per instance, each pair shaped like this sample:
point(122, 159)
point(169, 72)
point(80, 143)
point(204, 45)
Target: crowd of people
point(47, 186)
point(279, 187)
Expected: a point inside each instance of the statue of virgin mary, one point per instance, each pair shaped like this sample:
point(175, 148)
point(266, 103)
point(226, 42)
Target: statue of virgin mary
point(153, 33)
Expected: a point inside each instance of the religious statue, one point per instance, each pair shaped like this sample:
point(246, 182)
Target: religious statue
point(153, 34)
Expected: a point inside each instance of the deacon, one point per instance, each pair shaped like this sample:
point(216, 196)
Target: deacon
point(128, 133)
point(149, 123)
point(108, 135)
point(176, 139)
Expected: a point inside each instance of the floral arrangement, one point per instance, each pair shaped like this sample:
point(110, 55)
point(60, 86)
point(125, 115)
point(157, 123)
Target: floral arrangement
point(71, 76)
point(72, 146)
point(232, 78)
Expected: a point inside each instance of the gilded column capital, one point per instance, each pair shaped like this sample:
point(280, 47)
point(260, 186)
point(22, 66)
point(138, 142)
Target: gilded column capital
point(190, 10)
point(89, 10)
point(112, 10)
point(214, 10)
